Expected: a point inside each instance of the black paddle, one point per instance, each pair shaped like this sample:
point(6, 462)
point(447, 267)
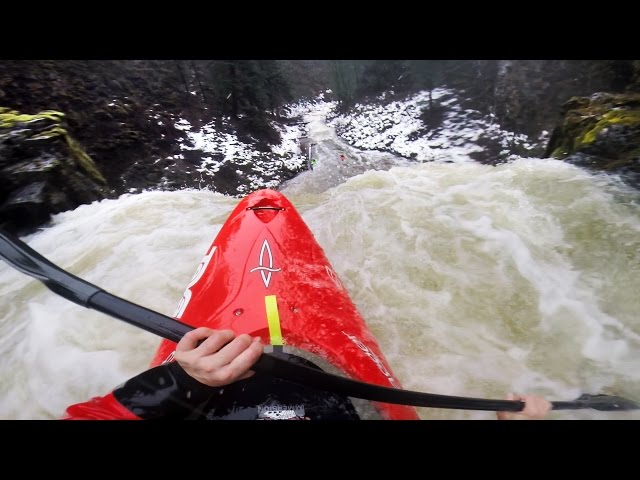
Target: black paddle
point(24, 258)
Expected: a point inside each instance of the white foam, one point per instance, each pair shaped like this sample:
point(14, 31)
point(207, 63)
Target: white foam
point(476, 280)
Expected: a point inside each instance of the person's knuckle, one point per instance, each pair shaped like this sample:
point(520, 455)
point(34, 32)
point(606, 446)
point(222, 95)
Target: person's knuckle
point(226, 376)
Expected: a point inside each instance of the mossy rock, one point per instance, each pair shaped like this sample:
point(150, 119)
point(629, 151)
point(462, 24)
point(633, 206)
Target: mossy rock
point(576, 102)
point(587, 118)
point(600, 132)
point(12, 120)
point(630, 118)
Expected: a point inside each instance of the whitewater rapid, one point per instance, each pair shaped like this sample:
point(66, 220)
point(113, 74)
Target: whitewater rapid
point(476, 280)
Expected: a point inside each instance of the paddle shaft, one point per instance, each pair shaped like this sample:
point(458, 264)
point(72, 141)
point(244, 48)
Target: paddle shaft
point(174, 330)
point(171, 329)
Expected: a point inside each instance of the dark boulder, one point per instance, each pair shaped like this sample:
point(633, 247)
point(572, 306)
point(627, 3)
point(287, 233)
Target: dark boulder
point(43, 170)
point(601, 132)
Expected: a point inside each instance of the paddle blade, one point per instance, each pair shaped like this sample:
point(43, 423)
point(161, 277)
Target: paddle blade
point(25, 259)
point(22, 257)
point(603, 403)
point(609, 403)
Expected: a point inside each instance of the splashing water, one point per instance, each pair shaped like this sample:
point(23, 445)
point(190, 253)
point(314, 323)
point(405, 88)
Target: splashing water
point(476, 280)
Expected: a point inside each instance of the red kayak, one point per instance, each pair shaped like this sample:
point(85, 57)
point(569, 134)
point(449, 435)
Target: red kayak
point(265, 275)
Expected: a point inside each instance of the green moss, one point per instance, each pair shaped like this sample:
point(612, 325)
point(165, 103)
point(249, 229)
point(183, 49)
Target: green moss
point(54, 131)
point(576, 123)
point(10, 118)
point(84, 160)
point(559, 152)
point(575, 103)
point(612, 117)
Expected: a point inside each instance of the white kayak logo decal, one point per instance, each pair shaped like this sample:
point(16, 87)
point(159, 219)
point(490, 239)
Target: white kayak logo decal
point(333, 276)
point(373, 357)
point(170, 358)
point(186, 297)
point(265, 264)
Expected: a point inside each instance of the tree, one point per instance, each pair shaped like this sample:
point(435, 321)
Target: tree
point(250, 91)
point(429, 74)
point(245, 87)
point(345, 79)
point(381, 75)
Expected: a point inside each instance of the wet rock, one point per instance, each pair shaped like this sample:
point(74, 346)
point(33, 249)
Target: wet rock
point(43, 171)
point(601, 132)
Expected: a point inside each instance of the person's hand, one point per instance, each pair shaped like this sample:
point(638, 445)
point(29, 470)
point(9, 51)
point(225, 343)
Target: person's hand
point(219, 360)
point(535, 408)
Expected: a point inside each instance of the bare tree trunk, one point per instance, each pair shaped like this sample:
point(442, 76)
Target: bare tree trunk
point(197, 75)
point(184, 79)
point(234, 96)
